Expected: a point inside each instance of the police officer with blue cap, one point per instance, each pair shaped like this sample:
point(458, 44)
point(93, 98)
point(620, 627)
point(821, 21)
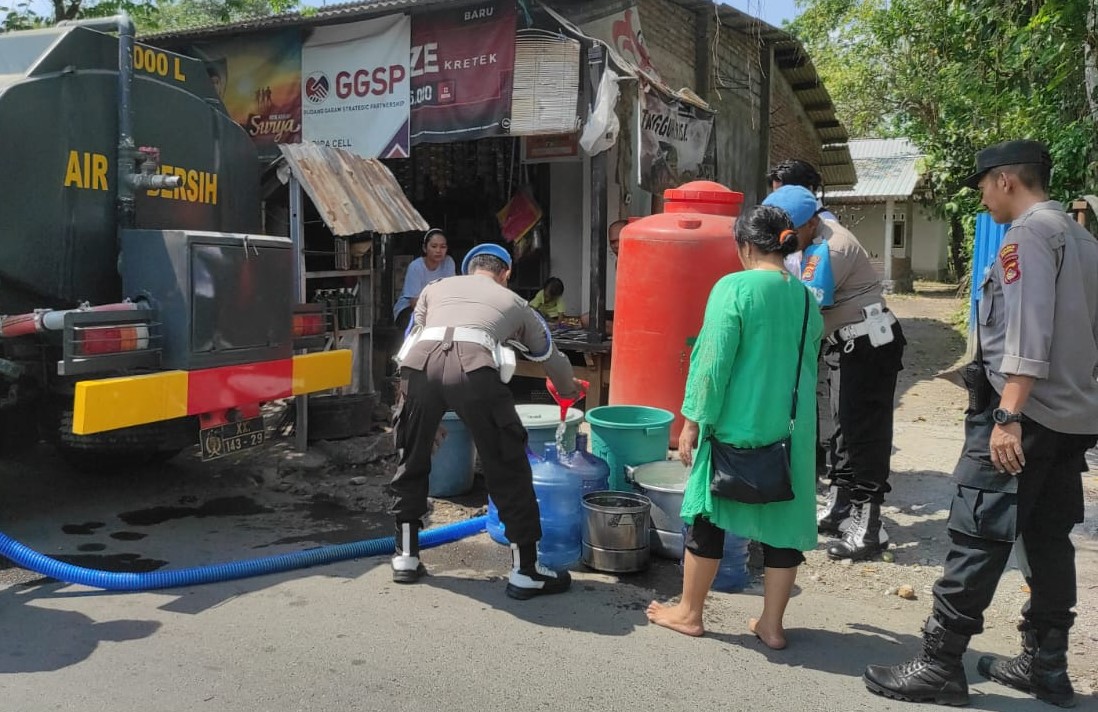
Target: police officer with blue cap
point(458, 356)
point(863, 355)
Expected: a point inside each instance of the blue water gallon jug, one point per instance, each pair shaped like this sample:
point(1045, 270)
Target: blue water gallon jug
point(732, 574)
point(592, 471)
point(495, 526)
point(560, 495)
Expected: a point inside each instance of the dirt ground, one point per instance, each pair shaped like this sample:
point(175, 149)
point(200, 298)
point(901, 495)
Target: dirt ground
point(336, 493)
point(928, 439)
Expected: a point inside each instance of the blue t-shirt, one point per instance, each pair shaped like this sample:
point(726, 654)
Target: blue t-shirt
point(418, 277)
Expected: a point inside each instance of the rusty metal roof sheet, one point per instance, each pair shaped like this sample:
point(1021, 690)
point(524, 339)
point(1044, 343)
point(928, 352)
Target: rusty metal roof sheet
point(352, 194)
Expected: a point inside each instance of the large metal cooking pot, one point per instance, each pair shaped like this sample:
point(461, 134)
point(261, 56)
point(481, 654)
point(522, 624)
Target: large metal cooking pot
point(663, 484)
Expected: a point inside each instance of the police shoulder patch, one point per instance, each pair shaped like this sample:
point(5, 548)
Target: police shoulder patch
point(1009, 259)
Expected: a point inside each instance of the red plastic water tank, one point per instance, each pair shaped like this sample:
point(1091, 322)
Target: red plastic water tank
point(667, 265)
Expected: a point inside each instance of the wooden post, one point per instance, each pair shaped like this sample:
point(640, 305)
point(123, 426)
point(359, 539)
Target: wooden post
point(890, 208)
point(766, 66)
point(297, 238)
point(596, 326)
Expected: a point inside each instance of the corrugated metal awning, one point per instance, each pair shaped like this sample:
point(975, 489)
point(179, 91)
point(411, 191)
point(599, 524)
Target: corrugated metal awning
point(352, 194)
point(888, 169)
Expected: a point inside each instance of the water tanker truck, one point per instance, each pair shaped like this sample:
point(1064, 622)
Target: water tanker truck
point(142, 312)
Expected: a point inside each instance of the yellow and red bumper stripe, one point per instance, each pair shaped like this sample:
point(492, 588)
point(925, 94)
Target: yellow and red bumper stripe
point(111, 403)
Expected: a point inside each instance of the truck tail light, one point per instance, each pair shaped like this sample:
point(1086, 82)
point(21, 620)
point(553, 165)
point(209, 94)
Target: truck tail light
point(98, 340)
point(309, 324)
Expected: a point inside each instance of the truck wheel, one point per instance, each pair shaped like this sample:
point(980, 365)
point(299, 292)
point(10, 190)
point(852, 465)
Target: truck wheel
point(18, 430)
point(126, 448)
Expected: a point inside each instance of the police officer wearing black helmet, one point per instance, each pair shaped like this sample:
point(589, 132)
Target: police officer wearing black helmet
point(1032, 415)
point(458, 358)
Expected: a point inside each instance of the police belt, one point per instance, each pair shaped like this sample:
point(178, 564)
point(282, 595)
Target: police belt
point(853, 331)
point(464, 334)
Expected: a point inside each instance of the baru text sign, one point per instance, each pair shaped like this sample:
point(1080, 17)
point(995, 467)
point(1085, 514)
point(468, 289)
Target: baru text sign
point(675, 143)
point(354, 87)
point(258, 79)
point(463, 64)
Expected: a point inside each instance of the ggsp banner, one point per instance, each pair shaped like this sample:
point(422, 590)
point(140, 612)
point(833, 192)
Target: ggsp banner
point(463, 64)
point(354, 87)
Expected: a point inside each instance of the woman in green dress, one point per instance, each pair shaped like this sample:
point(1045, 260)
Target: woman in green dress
point(739, 391)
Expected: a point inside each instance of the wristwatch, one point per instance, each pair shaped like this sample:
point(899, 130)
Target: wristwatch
point(1002, 416)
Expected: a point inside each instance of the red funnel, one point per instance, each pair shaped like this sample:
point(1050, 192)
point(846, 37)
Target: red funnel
point(566, 403)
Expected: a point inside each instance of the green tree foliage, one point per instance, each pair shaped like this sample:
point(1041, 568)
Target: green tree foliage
point(955, 76)
point(149, 15)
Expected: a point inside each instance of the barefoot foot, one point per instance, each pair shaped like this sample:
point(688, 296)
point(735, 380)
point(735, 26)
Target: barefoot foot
point(676, 618)
point(771, 637)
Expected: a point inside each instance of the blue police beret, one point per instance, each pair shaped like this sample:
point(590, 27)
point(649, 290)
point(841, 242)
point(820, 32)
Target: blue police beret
point(487, 248)
point(798, 202)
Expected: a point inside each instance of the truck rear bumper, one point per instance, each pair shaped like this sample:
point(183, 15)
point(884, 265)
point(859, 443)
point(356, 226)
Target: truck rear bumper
point(112, 403)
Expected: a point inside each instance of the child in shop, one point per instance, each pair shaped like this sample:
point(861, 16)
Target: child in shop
point(549, 302)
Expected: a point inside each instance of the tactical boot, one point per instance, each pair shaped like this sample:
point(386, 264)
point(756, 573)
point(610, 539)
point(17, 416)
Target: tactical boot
point(407, 568)
point(863, 535)
point(1014, 672)
point(529, 578)
point(834, 512)
point(1040, 669)
point(936, 675)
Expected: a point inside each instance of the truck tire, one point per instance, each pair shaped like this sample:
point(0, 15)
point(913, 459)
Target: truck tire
point(334, 417)
point(116, 450)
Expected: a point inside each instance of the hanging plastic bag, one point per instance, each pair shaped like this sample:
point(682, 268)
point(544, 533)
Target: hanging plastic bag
point(601, 130)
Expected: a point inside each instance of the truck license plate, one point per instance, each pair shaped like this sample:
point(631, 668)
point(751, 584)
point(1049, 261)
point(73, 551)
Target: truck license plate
point(226, 439)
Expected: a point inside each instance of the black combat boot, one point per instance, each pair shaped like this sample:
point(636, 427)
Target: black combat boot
point(1014, 672)
point(834, 512)
point(936, 675)
point(863, 535)
point(1040, 669)
point(529, 578)
point(407, 568)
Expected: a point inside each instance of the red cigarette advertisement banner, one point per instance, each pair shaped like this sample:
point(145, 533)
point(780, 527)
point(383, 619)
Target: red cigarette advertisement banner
point(462, 66)
point(259, 79)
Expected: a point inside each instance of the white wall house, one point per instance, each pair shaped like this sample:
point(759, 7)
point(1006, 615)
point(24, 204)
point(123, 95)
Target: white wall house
point(883, 210)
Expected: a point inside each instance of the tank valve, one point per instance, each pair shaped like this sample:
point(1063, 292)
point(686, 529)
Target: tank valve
point(148, 178)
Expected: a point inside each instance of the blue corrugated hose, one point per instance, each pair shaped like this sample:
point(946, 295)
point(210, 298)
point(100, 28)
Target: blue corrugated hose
point(113, 581)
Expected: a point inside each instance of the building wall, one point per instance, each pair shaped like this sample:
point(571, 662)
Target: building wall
point(926, 235)
point(734, 89)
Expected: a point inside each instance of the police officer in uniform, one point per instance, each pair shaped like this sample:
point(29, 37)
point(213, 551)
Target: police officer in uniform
point(863, 351)
point(1032, 415)
point(452, 362)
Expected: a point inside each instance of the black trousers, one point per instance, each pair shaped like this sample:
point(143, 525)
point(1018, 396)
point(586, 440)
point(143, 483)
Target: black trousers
point(985, 524)
point(706, 540)
point(487, 408)
point(862, 389)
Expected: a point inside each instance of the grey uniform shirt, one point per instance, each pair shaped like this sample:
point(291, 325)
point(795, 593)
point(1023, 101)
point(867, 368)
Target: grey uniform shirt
point(1039, 317)
point(856, 282)
point(477, 302)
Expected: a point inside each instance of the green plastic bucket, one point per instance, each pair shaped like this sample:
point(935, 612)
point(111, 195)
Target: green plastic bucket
point(628, 435)
point(541, 423)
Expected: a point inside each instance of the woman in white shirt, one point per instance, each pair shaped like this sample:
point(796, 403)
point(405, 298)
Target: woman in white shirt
point(434, 264)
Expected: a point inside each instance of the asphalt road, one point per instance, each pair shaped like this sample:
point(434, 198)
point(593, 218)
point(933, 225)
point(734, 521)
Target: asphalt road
point(343, 637)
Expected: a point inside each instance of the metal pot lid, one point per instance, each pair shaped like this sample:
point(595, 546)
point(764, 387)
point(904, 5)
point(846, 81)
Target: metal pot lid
point(662, 476)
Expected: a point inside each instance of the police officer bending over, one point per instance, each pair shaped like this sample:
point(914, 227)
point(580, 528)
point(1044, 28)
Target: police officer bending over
point(1032, 415)
point(863, 350)
point(457, 359)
